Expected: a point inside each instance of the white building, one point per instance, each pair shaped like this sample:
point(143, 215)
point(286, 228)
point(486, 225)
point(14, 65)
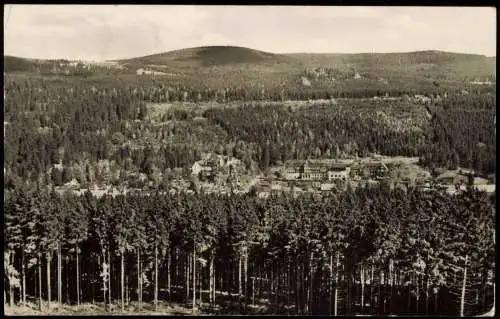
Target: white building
point(313, 170)
point(305, 81)
point(489, 188)
point(327, 187)
point(196, 168)
point(339, 172)
point(142, 71)
point(292, 170)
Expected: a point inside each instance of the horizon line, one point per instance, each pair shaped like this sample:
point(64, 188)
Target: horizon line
point(236, 46)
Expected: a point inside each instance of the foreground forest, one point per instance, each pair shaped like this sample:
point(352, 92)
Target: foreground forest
point(371, 250)
point(108, 135)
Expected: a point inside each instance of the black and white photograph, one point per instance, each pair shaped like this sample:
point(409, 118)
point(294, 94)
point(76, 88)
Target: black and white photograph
point(249, 160)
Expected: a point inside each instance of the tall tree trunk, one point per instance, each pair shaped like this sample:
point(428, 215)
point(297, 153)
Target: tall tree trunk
point(188, 275)
point(104, 286)
point(302, 283)
point(288, 283)
point(253, 291)
point(23, 267)
point(245, 281)
point(127, 291)
point(261, 281)
point(40, 281)
point(59, 275)
point(306, 284)
point(93, 279)
point(214, 274)
point(484, 289)
point(200, 286)
point(297, 284)
point(391, 278)
point(476, 303)
point(330, 283)
point(110, 295)
point(409, 295)
point(122, 278)
point(212, 281)
point(10, 262)
point(436, 307)
point(67, 279)
point(427, 287)
point(138, 278)
point(371, 288)
point(277, 285)
point(494, 298)
point(221, 279)
point(462, 298)
point(391, 267)
point(362, 277)
point(310, 282)
point(194, 277)
point(169, 261)
point(381, 291)
point(77, 277)
point(239, 277)
point(156, 278)
point(139, 266)
point(272, 277)
point(418, 293)
point(49, 295)
point(178, 263)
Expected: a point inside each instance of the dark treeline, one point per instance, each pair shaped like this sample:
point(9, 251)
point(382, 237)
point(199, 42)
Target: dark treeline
point(236, 87)
point(372, 250)
point(464, 133)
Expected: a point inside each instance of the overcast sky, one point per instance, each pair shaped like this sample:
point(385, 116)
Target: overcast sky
point(111, 32)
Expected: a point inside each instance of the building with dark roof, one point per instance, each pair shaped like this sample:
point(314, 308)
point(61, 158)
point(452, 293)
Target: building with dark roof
point(316, 170)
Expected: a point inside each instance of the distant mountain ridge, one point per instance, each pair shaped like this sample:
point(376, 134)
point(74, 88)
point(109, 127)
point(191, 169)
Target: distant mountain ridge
point(430, 63)
point(213, 55)
point(210, 56)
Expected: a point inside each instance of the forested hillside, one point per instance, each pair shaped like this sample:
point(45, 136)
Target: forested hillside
point(358, 127)
point(371, 251)
point(49, 123)
point(431, 64)
point(254, 72)
point(209, 56)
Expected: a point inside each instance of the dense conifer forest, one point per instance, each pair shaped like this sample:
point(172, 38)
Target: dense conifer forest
point(372, 250)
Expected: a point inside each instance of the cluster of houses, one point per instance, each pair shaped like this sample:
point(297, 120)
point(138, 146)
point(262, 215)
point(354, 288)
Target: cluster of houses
point(213, 167)
point(148, 71)
point(66, 66)
point(217, 172)
point(455, 180)
point(322, 170)
point(331, 73)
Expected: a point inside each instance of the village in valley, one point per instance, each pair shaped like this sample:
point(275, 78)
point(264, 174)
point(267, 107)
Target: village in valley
point(225, 174)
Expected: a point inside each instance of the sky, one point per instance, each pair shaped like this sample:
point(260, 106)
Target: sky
point(104, 32)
